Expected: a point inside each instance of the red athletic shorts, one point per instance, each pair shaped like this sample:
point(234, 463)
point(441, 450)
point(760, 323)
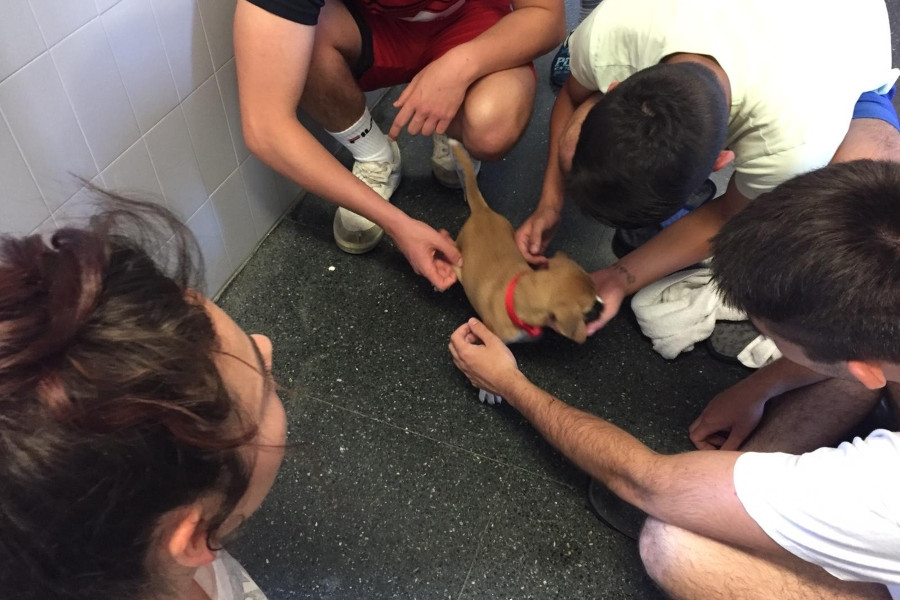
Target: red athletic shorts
point(394, 49)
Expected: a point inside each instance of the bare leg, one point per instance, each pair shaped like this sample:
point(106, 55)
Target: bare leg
point(688, 566)
point(869, 138)
point(812, 417)
point(331, 95)
point(495, 112)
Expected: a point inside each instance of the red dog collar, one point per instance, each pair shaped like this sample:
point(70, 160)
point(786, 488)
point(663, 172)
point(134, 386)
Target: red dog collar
point(530, 330)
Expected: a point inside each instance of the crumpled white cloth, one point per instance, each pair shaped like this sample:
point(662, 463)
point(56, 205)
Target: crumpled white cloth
point(682, 309)
point(759, 352)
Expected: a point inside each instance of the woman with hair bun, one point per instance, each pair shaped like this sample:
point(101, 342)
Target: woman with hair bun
point(139, 425)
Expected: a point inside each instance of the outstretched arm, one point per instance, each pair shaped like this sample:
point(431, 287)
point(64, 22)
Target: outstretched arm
point(693, 490)
point(273, 57)
point(537, 231)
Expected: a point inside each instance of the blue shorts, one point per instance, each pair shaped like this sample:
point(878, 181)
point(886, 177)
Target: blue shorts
point(872, 105)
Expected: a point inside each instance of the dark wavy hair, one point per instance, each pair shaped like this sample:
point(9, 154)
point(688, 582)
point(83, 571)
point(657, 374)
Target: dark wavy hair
point(648, 144)
point(819, 259)
point(112, 411)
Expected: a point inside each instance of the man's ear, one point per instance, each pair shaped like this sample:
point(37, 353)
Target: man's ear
point(612, 86)
point(725, 157)
point(187, 543)
point(869, 373)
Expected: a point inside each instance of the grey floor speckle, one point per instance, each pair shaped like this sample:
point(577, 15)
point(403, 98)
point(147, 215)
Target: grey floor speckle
point(399, 484)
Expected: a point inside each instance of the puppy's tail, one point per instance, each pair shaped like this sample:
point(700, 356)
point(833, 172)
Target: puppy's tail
point(466, 171)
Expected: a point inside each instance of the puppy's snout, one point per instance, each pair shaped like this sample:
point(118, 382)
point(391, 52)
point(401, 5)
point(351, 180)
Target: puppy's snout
point(594, 313)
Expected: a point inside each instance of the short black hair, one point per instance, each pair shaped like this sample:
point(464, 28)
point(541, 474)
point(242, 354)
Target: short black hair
point(648, 144)
point(819, 259)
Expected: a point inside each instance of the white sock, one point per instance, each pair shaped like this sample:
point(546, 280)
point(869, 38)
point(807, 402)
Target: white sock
point(365, 140)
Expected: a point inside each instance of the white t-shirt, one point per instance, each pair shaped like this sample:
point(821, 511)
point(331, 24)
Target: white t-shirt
point(796, 68)
point(838, 508)
point(225, 579)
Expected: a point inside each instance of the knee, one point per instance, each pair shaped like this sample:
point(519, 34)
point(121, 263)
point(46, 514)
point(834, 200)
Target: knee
point(491, 130)
point(662, 549)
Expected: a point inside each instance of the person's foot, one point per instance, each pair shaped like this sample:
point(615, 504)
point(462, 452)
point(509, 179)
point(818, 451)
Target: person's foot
point(614, 512)
point(442, 164)
point(559, 68)
point(354, 233)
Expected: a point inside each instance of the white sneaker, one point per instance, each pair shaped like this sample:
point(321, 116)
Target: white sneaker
point(354, 233)
point(442, 164)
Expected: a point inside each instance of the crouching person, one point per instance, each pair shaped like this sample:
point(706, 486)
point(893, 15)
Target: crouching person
point(816, 264)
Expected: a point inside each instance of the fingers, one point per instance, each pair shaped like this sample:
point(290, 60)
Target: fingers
point(735, 439)
point(440, 275)
point(459, 336)
point(695, 424)
point(537, 260)
point(400, 121)
point(698, 438)
point(447, 247)
point(698, 432)
point(595, 326)
point(703, 445)
point(523, 240)
point(609, 311)
point(480, 330)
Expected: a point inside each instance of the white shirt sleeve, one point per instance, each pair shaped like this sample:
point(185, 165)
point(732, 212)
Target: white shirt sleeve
point(838, 508)
point(763, 173)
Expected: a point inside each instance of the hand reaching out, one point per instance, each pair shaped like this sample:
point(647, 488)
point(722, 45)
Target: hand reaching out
point(431, 254)
point(535, 234)
point(483, 357)
point(610, 285)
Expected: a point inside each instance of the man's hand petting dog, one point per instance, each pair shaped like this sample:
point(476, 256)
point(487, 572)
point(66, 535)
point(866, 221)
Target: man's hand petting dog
point(535, 234)
point(432, 255)
point(484, 358)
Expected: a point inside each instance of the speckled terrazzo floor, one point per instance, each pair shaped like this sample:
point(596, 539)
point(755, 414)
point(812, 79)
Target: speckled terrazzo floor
point(399, 483)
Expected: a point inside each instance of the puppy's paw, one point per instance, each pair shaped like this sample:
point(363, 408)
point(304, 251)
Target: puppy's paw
point(491, 399)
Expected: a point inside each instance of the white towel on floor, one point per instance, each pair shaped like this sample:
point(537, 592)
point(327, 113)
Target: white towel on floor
point(680, 310)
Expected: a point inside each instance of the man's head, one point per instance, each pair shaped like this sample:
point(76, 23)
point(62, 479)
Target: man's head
point(647, 144)
point(816, 264)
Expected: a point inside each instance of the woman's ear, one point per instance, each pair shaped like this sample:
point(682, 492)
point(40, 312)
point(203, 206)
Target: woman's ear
point(869, 373)
point(187, 540)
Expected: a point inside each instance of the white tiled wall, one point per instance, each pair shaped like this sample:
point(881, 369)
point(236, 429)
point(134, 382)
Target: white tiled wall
point(139, 96)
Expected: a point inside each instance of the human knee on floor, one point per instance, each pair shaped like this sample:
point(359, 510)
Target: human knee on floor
point(660, 545)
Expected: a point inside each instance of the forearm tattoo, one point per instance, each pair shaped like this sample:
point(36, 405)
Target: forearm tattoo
point(624, 272)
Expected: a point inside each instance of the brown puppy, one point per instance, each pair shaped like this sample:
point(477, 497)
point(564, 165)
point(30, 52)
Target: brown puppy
point(514, 300)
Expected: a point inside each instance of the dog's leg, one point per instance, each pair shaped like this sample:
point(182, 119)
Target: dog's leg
point(489, 398)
